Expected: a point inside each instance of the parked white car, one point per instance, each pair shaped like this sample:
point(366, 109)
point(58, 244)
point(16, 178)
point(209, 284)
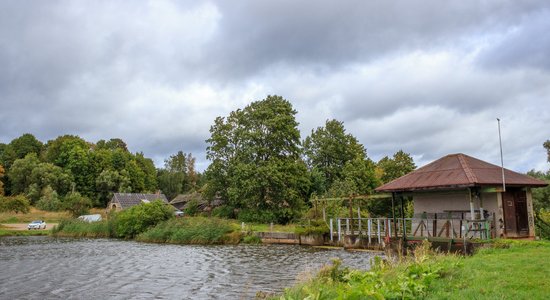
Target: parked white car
point(38, 224)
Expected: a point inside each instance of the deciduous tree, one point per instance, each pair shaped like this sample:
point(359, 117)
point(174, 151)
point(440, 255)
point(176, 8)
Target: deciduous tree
point(256, 160)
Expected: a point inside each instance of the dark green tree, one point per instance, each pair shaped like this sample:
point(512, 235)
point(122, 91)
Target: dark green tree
point(256, 161)
point(333, 156)
point(392, 168)
point(26, 144)
point(1, 182)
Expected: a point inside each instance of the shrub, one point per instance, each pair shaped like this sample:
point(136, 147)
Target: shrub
point(137, 219)
point(252, 239)
point(192, 208)
point(256, 216)
point(76, 204)
point(317, 226)
point(16, 204)
point(224, 211)
point(49, 201)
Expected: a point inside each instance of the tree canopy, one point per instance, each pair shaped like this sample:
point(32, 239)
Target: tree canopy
point(256, 161)
point(338, 163)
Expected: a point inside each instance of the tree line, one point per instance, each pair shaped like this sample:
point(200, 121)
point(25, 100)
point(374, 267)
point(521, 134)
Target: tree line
point(70, 172)
point(260, 166)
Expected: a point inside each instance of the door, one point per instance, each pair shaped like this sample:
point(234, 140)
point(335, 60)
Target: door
point(521, 213)
point(515, 213)
point(510, 224)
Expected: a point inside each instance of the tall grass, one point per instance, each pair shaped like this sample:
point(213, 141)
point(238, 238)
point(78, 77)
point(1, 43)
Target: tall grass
point(78, 228)
point(192, 230)
point(403, 278)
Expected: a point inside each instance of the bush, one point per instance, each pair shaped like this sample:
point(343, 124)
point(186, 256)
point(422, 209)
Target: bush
point(49, 201)
point(224, 211)
point(137, 219)
point(76, 204)
point(257, 216)
point(196, 230)
point(192, 208)
point(317, 226)
point(16, 204)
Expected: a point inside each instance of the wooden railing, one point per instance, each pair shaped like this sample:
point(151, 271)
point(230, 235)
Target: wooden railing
point(376, 229)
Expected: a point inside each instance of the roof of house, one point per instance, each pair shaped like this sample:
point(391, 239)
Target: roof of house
point(184, 198)
point(458, 171)
point(127, 200)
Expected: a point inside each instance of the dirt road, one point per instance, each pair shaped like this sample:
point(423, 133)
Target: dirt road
point(23, 226)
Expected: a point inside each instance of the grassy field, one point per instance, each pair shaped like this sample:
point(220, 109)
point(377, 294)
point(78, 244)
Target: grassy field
point(8, 232)
point(516, 270)
point(36, 214)
point(508, 270)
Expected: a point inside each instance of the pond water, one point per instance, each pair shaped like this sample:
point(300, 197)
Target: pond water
point(62, 268)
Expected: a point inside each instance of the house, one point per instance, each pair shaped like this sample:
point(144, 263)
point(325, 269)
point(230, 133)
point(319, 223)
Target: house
point(184, 201)
point(181, 200)
point(122, 201)
point(465, 189)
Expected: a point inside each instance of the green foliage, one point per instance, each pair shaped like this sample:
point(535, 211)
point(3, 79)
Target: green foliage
point(1, 183)
point(392, 168)
point(408, 278)
point(77, 204)
point(254, 216)
point(315, 226)
point(197, 230)
point(79, 228)
point(16, 204)
point(49, 201)
point(192, 207)
point(256, 160)
point(329, 150)
point(224, 211)
point(541, 196)
point(252, 239)
point(178, 175)
point(137, 219)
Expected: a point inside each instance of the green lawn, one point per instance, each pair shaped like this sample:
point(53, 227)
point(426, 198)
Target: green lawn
point(521, 271)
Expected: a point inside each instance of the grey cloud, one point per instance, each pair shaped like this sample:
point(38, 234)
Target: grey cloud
point(525, 44)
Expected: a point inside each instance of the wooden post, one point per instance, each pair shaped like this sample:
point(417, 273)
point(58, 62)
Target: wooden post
point(393, 213)
point(359, 218)
point(339, 229)
point(351, 213)
point(331, 231)
point(378, 227)
point(403, 223)
point(369, 225)
point(347, 226)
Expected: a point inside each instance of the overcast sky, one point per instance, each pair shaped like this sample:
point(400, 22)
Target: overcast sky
point(428, 77)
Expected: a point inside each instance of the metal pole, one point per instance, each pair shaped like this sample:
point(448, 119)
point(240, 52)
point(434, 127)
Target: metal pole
point(501, 158)
point(393, 213)
point(339, 229)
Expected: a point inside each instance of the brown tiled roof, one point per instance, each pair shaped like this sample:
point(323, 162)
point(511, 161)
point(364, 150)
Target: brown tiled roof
point(184, 198)
point(128, 200)
point(458, 171)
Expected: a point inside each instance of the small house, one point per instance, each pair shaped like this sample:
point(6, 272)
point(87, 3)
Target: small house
point(122, 201)
point(465, 189)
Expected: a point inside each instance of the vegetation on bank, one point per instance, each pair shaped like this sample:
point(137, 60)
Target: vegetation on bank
point(506, 270)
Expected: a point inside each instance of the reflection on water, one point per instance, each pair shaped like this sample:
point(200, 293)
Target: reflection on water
point(45, 268)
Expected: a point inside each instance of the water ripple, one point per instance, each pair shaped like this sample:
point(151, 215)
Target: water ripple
point(49, 268)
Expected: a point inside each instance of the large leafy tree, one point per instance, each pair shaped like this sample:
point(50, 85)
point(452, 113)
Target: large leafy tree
point(334, 156)
point(178, 175)
point(392, 168)
point(1, 183)
point(256, 160)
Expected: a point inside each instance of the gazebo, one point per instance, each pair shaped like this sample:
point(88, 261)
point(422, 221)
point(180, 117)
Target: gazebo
point(467, 190)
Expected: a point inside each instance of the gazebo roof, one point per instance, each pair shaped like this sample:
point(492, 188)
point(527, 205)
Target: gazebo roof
point(458, 171)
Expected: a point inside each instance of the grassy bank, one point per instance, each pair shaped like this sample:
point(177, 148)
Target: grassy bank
point(189, 230)
point(192, 230)
point(7, 232)
point(510, 270)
